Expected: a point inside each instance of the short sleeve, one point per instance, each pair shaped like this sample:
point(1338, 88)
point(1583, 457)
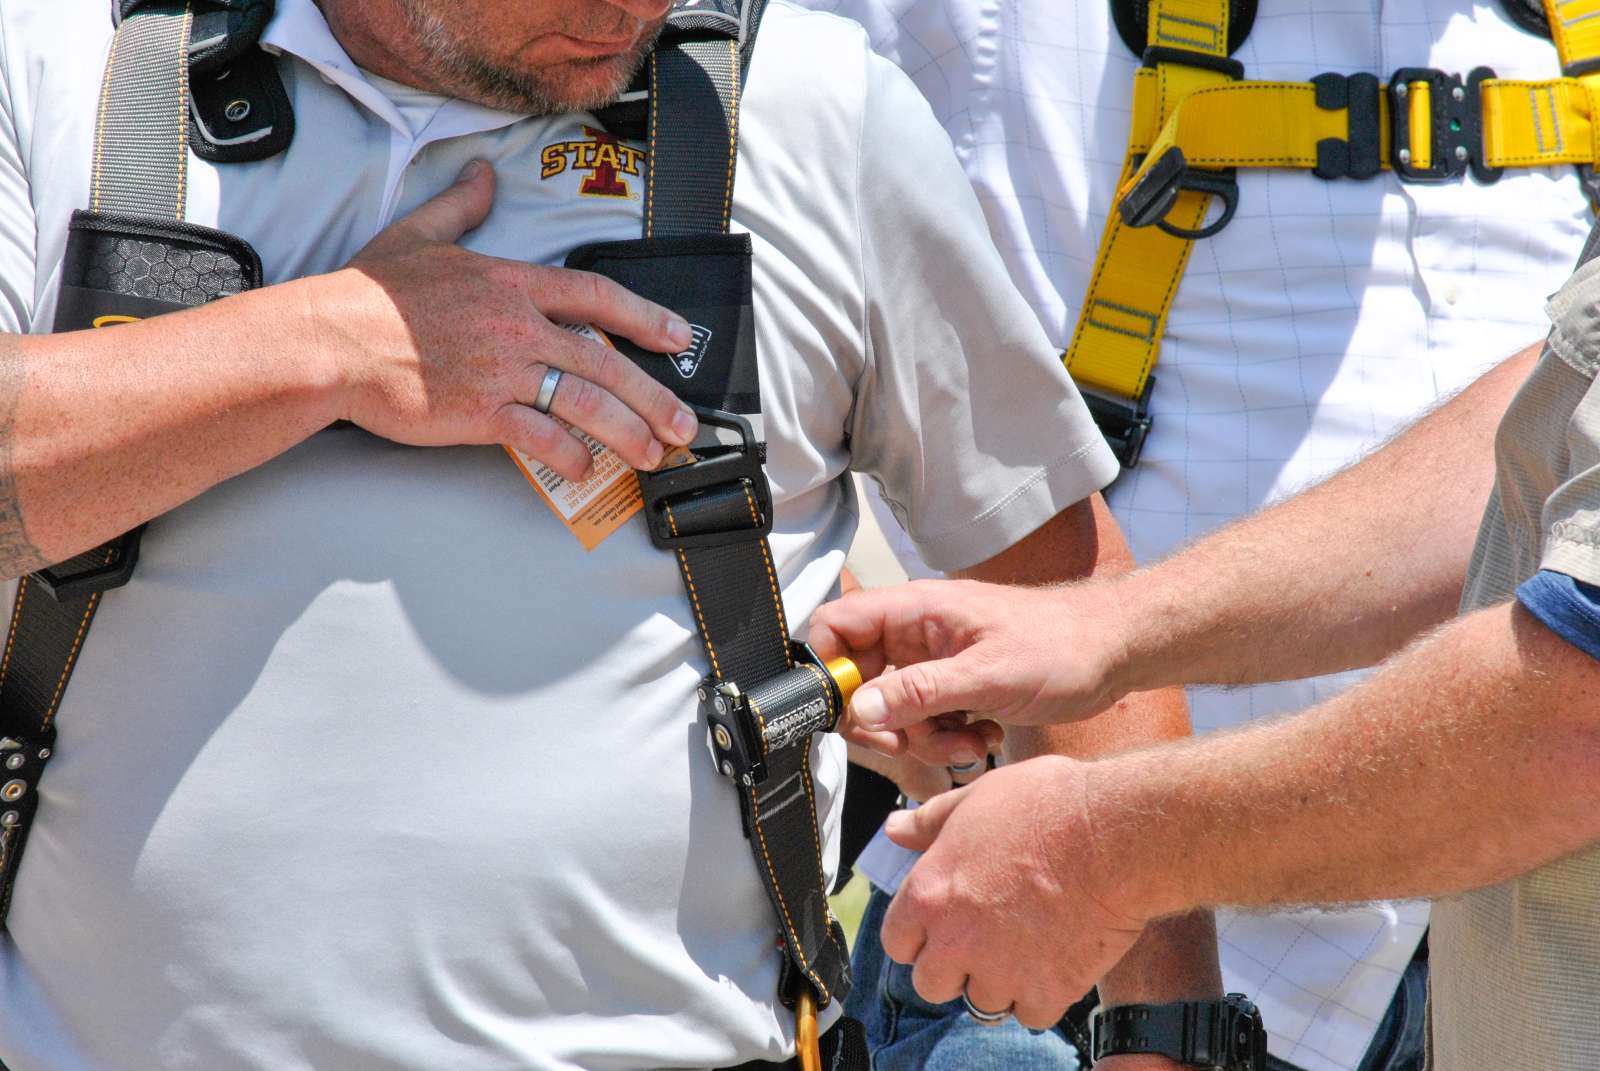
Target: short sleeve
point(17, 229)
point(1569, 608)
point(964, 414)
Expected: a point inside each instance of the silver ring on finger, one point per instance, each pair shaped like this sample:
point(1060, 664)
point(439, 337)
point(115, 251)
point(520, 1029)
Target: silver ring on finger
point(547, 390)
point(987, 1018)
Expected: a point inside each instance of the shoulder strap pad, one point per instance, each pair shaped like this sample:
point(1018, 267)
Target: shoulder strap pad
point(1132, 19)
point(238, 108)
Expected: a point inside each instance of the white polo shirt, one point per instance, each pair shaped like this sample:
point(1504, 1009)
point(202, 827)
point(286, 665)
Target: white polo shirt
point(372, 766)
point(1323, 319)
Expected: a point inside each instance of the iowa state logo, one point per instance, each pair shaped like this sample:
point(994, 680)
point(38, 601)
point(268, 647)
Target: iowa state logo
point(606, 159)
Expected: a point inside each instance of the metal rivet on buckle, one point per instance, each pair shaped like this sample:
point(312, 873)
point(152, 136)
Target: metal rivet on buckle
point(14, 790)
point(10, 819)
point(237, 111)
point(15, 762)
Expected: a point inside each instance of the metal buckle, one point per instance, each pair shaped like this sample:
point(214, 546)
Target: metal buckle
point(739, 740)
point(1152, 197)
point(1455, 114)
point(1124, 426)
point(63, 585)
point(715, 467)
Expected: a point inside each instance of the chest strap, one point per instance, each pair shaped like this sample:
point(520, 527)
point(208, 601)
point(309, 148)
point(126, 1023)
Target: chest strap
point(766, 695)
point(1196, 120)
point(129, 257)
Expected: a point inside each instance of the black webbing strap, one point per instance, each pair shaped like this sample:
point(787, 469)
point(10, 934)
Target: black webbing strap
point(717, 527)
point(140, 167)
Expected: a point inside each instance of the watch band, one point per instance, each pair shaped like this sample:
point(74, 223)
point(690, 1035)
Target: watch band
point(1212, 1035)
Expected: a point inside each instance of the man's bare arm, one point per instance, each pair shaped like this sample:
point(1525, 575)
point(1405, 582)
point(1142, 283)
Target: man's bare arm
point(1339, 576)
point(418, 340)
point(1472, 757)
point(1176, 959)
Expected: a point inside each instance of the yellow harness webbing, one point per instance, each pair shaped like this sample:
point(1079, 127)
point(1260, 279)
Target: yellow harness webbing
point(1194, 116)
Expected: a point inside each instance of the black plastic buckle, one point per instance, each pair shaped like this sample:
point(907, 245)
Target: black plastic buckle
point(794, 706)
point(1359, 155)
point(65, 585)
point(715, 467)
point(1152, 197)
point(1456, 116)
point(1156, 55)
point(1124, 426)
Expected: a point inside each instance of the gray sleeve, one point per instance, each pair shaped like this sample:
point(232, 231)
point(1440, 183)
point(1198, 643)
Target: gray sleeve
point(964, 415)
point(17, 227)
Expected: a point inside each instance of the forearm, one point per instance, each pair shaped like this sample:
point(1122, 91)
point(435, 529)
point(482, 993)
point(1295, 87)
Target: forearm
point(1473, 757)
point(1337, 577)
point(106, 429)
point(1175, 959)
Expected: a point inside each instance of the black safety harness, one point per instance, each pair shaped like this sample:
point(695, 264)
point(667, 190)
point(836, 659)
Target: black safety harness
point(190, 75)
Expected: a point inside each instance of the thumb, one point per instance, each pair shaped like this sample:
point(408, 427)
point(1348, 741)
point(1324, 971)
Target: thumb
point(454, 212)
point(917, 829)
point(918, 692)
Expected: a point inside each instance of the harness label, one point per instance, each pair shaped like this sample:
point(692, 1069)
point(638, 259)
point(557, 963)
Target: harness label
point(593, 508)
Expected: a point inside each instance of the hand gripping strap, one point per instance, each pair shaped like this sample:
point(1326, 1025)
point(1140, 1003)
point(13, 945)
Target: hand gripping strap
point(730, 579)
point(133, 259)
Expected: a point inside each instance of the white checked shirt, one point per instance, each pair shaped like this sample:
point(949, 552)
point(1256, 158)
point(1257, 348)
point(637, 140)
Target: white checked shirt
point(1327, 316)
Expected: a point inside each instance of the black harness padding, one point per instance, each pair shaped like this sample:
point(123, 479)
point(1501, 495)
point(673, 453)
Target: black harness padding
point(129, 258)
point(239, 110)
point(1132, 18)
point(1528, 14)
point(765, 696)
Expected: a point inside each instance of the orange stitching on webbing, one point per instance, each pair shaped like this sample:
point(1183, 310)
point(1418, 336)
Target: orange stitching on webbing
point(77, 645)
point(783, 904)
point(772, 576)
point(733, 140)
point(816, 839)
point(183, 111)
point(694, 598)
point(650, 157)
point(72, 658)
point(100, 128)
point(16, 615)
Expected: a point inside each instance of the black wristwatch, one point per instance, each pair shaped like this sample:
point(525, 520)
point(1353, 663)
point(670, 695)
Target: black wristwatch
point(1213, 1035)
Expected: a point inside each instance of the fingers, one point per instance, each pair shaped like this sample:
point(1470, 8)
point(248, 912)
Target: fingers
point(936, 975)
point(986, 995)
point(915, 693)
point(451, 214)
point(875, 627)
point(918, 829)
point(949, 740)
point(581, 297)
point(903, 934)
point(543, 439)
point(584, 404)
point(665, 418)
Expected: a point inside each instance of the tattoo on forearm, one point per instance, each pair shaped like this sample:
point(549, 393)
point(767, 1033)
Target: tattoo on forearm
point(18, 555)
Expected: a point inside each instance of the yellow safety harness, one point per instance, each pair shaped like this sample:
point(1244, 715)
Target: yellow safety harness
point(1196, 119)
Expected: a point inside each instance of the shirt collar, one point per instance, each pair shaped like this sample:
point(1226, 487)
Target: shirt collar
point(299, 28)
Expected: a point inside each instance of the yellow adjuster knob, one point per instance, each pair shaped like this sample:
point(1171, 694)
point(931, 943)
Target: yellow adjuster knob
point(808, 1047)
point(847, 675)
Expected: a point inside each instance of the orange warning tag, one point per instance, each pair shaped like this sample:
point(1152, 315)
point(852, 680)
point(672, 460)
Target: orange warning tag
point(597, 506)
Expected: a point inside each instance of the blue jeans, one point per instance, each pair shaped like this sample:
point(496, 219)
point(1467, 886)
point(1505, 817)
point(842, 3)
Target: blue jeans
point(906, 1033)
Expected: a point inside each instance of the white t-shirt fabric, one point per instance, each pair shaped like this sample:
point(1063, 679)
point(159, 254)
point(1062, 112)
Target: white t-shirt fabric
point(1323, 319)
point(372, 766)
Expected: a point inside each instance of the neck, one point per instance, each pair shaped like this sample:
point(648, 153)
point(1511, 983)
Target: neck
point(378, 36)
